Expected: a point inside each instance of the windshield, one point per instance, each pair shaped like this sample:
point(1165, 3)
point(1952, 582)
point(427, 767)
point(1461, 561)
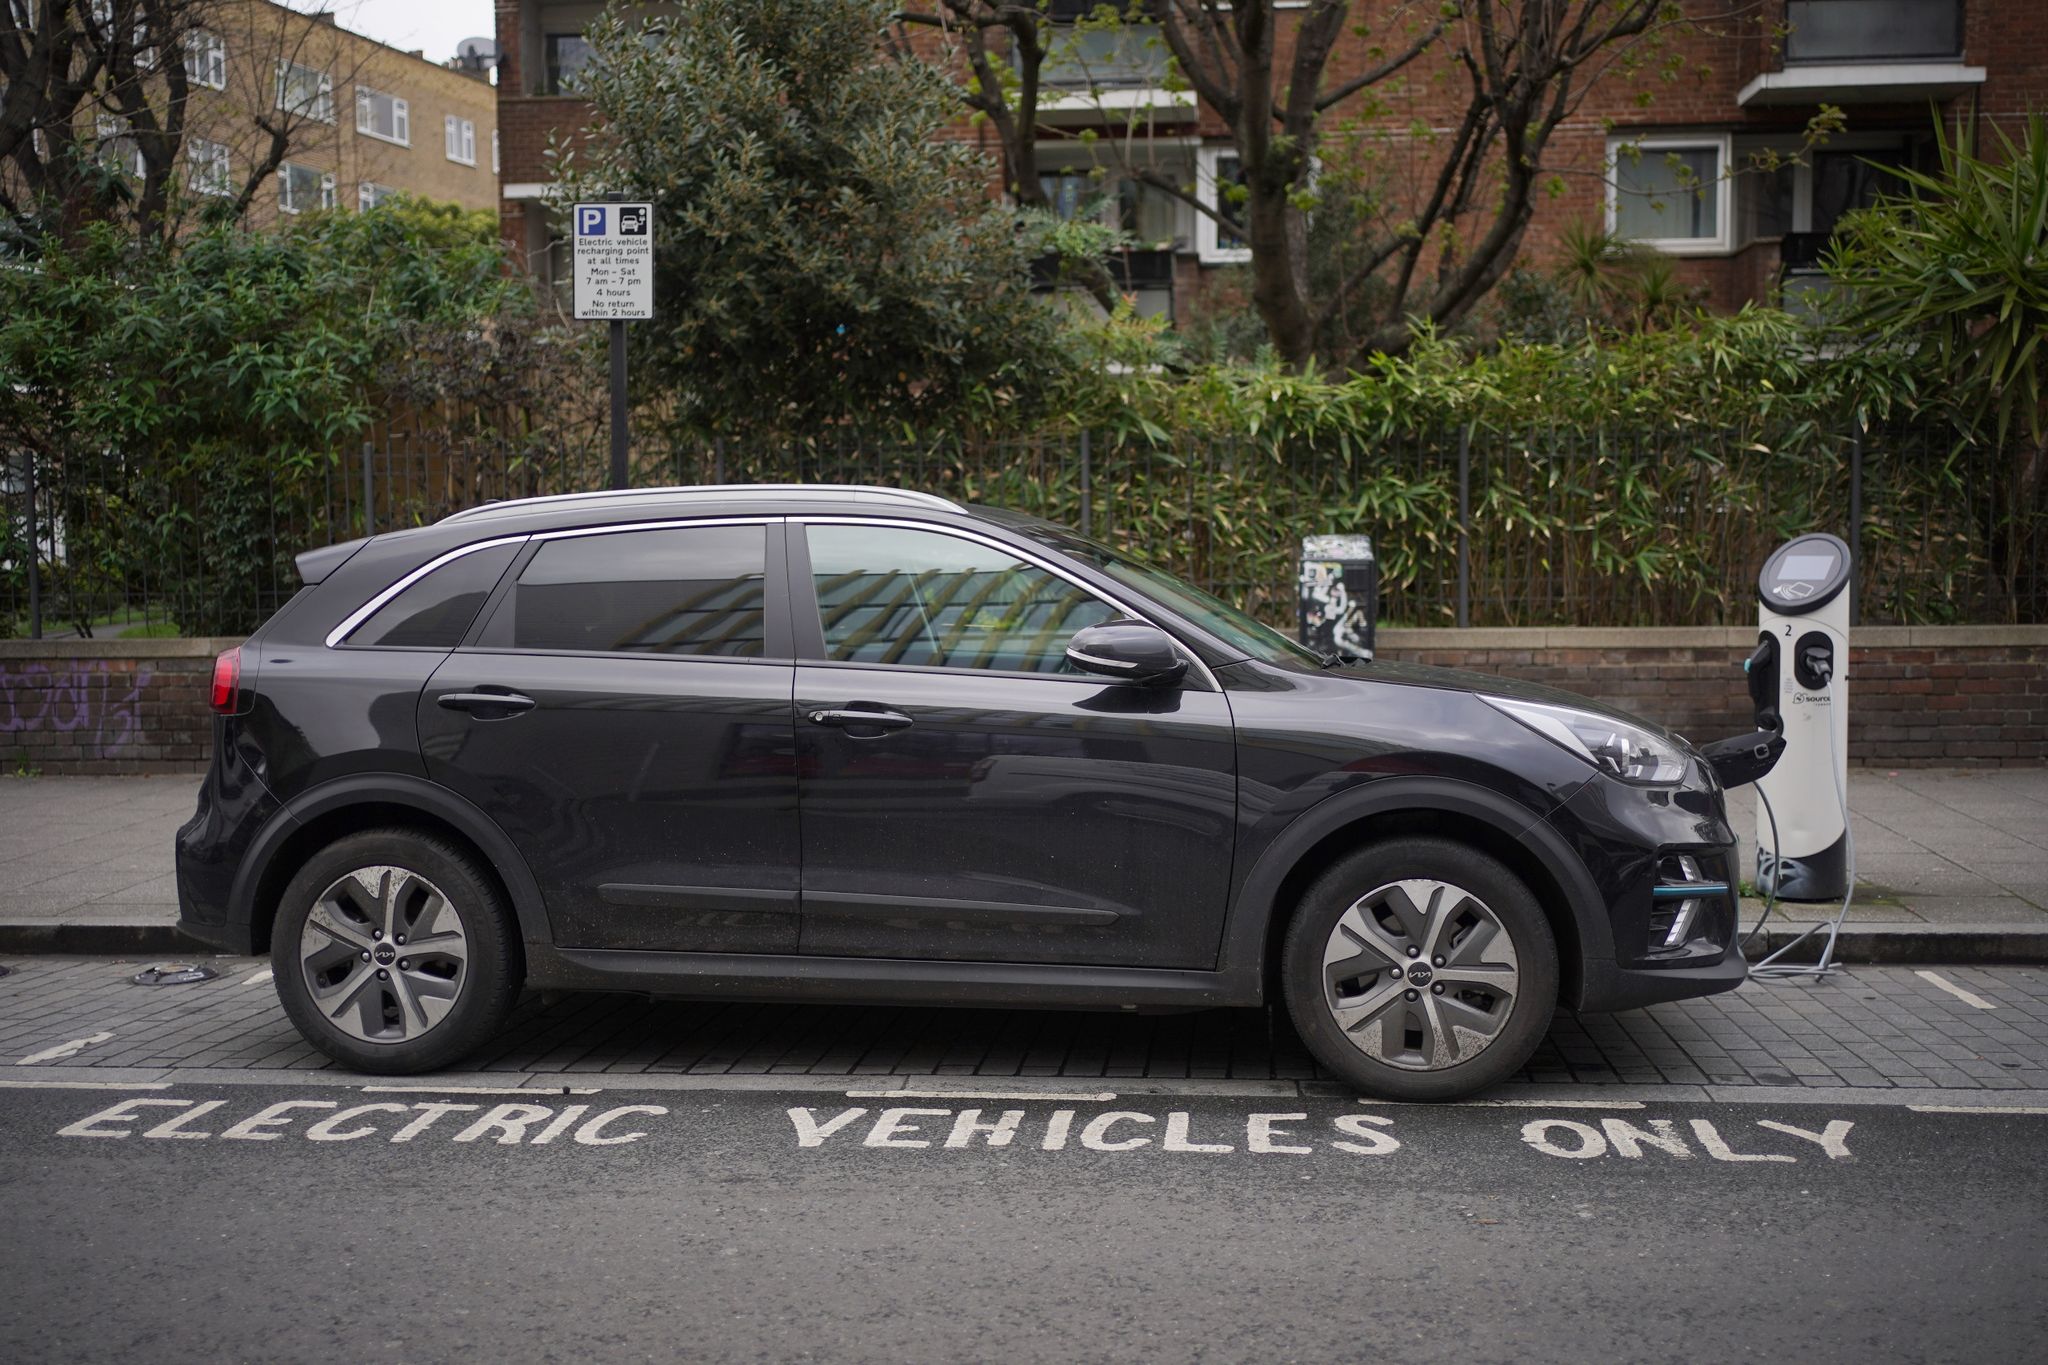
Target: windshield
point(1248, 636)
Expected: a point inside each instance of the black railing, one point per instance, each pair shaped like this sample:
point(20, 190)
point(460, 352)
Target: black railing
point(1539, 527)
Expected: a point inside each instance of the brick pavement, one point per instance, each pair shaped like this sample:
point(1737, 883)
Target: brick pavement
point(1864, 1028)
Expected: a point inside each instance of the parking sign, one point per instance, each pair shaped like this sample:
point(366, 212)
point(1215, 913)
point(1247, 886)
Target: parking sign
point(614, 248)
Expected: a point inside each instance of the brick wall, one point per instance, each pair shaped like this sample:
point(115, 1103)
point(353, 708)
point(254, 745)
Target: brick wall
point(106, 706)
point(1963, 696)
point(1919, 696)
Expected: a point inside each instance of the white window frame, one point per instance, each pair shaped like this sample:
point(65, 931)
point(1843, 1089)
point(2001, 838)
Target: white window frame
point(209, 167)
point(369, 193)
point(366, 116)
point(110, 129)
point(206, 59)
point(284, 188)
point(1657, 145)
point(322, 108)
point(458, 139)
point(1206, 249)
point(494, 152)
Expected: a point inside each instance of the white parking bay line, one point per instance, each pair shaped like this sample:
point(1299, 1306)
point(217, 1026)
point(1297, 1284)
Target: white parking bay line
point(257, 977)
point(1967, 997)
point(477, 1090)
point(1979, 1108)
point(51, 1054)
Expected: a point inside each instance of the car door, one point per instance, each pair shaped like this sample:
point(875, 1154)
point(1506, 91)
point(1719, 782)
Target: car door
point(965, 793)
point(622, 710)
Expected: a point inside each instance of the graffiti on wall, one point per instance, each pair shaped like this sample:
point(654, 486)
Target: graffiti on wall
point(91, 701)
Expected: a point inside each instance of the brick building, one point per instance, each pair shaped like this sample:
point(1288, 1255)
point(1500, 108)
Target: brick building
point(1746, 87)
point(363, 120)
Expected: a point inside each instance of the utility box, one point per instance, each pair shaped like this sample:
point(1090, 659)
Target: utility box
point(1340, 594)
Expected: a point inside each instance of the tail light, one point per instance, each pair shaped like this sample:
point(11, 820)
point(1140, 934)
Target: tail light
point(227, 683)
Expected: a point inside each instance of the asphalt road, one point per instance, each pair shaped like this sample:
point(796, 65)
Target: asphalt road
point(720, 1225)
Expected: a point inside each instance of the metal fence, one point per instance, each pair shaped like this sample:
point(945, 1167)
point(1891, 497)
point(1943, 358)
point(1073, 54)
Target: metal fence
point(1473, 527)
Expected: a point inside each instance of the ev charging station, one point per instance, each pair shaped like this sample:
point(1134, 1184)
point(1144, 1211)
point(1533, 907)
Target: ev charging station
point(1799, 681)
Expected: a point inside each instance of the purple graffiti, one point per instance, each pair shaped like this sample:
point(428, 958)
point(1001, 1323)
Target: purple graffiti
point(75, 698)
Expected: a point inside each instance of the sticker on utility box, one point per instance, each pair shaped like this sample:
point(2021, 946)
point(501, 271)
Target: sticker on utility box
point(614, 248)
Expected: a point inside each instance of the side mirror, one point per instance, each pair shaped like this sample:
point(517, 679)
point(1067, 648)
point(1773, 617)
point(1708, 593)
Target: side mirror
point(1129, 651)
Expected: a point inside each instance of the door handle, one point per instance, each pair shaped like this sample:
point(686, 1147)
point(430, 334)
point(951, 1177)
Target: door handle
point(485, 701)
point(852, 719)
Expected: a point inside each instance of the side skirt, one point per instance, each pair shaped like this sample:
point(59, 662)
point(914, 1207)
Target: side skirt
point(881, 981)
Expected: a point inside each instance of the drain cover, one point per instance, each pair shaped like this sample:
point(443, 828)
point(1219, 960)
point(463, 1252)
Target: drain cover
point(173, 974)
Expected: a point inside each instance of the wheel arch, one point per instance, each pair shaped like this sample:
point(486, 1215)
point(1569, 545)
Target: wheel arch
point(1432, 807)
point(348, 805)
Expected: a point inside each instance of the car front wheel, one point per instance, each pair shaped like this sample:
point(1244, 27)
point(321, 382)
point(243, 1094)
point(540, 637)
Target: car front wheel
point(393, 953)
point(1420, 969)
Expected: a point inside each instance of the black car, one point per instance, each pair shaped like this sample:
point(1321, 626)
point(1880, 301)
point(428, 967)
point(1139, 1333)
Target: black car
point(838, 744)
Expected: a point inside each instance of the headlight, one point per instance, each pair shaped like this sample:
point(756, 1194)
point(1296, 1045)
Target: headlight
point(1615, 747)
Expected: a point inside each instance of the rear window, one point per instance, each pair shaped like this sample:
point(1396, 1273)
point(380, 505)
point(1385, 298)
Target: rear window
point(697, 590)
point(436, 611)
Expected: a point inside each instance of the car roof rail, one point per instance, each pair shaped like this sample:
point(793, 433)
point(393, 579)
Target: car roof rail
point(718, 492)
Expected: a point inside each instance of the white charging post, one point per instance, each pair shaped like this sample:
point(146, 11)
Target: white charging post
point(1804, 848)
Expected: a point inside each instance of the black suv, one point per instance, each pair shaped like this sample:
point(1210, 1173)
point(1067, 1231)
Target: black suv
point(837, 743)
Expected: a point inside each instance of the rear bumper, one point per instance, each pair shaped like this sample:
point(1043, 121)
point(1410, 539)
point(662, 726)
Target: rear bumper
point(210, 849)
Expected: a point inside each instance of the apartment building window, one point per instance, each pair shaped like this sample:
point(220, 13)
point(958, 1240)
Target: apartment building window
point(458, 135)
point(305, 90)
point(206, 59)
point(1219, 172)
point(301, 188)
point(1670, 193)
point(567, 55)
point(382, 116)
point(208, 166)
point(117, 150)
point(368, 196)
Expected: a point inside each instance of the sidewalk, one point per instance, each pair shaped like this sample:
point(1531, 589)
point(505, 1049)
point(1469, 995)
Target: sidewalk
point(1953, 865)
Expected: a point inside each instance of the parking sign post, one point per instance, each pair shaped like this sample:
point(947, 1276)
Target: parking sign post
point(615, 284)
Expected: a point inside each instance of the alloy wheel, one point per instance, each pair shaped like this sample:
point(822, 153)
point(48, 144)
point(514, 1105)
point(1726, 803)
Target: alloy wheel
point(1420, 975)
point(384, 954)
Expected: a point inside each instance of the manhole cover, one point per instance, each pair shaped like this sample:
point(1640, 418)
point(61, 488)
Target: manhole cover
point(173, 974)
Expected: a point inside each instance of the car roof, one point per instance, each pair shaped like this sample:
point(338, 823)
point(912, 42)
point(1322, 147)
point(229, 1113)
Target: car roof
point(655, 500)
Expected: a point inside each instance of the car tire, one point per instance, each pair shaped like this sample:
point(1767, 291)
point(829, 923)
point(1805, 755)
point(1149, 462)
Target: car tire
point(394, 953)
point(1415, 993)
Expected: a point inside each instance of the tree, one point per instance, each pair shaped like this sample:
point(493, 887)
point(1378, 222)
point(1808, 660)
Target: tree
point(96, 111)
point(822, 252)
point(1422, 242)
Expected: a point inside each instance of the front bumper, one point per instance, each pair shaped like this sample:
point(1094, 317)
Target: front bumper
point(1625, 836)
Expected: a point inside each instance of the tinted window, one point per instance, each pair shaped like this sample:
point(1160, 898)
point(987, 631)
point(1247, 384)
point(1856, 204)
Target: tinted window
point(435, 612)
point(893, 596)
point(691, 590)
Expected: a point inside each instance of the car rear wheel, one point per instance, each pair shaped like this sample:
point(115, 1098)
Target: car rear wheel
point(393, 953)
point(1420, 969)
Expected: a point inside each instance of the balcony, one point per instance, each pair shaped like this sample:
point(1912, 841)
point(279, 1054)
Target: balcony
point(1866, 52)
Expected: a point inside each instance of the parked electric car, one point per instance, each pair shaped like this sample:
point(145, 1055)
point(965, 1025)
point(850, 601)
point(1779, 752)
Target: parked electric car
point(833, 743)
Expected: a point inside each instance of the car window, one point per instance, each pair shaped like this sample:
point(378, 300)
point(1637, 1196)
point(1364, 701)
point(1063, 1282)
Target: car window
point(921, 598)
point(435, 611)
point(681, 590)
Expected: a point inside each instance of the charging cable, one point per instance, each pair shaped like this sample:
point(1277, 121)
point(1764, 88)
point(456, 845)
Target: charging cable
point(1770, 897)
point(1771, 967)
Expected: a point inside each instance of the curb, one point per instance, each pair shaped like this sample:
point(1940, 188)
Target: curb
point(1971, 945)
point(112, 940)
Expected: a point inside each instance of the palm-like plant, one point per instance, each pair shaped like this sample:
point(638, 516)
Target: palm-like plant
point(1956, 268)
